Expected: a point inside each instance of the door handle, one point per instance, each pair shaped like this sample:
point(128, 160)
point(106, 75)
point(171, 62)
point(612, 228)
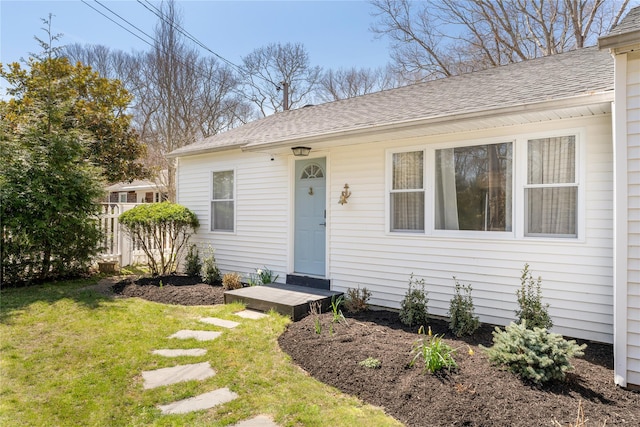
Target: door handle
point(323, 223)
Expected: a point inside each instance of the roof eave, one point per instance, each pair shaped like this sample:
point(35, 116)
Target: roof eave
point(620, 41)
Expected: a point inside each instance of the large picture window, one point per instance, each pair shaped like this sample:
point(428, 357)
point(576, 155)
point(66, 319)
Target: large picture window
point(551, 192)
point(223, 202)
point(407, 192)
point(473, 188)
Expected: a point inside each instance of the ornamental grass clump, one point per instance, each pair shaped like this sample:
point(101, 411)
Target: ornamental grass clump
point(532, 310)
point(462, 320)
point(434, 352)
point(413, 309)
point(533, 354)
point(231, 281)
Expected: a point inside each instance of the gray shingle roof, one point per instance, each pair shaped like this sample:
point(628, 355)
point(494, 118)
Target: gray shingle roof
point(577, 73)
point(629, 23)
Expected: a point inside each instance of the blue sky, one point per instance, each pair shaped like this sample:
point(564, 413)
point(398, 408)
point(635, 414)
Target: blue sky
point(335, 33)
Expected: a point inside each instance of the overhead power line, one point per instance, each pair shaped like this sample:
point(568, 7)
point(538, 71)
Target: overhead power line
point(120, 25)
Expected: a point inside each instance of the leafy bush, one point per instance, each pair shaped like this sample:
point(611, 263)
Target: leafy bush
point(193, 265)
point(231, 281)
point(413, 309)
point(160, 225)
point(357, 300)
point(529, 296)
point(370, 362)
point(435, 353)
point(210, 272)
point(533, 354)
point(461, 313)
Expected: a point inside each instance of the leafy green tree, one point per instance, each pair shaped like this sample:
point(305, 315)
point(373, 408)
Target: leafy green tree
point(93, 105)
point(48, 192)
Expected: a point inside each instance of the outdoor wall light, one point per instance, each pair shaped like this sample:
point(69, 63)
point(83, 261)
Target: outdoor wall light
point(301, 151)
point(344, 195)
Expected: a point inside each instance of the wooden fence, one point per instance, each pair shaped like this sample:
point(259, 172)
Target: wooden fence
point(116, 243)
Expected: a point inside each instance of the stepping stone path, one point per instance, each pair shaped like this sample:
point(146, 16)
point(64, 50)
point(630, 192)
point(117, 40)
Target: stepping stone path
point(199, 371)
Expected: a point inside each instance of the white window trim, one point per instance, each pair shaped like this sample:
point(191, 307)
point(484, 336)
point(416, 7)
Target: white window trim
point(126, 197)
point(235, 201)
point(426, 184)
point(519, 179)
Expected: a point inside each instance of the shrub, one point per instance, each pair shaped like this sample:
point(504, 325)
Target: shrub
point(160, 225)
point(461, 313)
point(435, 353)
point(413, 309)
point(533, 354)
point(357, 300)
point(370, 362)
point(210, 271)
point(193, 265)
point(231, 281)
point(530, 301)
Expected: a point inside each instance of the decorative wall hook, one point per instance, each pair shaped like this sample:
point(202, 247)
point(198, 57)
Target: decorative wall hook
point(344, 195)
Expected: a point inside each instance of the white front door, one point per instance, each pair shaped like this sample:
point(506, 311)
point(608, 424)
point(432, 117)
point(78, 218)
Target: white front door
point(310, 217)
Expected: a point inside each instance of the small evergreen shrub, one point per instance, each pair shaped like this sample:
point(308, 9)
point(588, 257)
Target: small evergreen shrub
point(210, 271)
point(531, 308)
point(231, 281)
point(462, 320)
point(413, 309)
point(193, 265)
point(533, 354)
point(357, 300)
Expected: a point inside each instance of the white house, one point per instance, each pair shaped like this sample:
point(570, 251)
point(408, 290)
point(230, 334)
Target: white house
point(470, 176)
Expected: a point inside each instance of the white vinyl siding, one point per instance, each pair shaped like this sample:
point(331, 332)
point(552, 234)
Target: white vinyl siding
point(576, 273)
point(633, 218)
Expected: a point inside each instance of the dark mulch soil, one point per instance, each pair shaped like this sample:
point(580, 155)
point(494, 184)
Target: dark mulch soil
point(174, 289)
point(475, 394)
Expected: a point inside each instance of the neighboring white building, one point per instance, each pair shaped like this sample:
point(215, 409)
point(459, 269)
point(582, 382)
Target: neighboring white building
point(470, 176)
point(137, 191)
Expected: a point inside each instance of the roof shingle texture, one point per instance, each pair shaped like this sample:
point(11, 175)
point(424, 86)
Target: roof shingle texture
point(629, 23)
point(579, 72)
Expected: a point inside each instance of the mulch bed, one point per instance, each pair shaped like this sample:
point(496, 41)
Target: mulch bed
point(475, 394)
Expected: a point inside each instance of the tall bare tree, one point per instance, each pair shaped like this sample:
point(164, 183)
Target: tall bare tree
point(439, 38)
point(270, 67)
point(347, 83)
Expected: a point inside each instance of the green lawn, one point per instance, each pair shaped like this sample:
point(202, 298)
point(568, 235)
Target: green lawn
point(71, 357)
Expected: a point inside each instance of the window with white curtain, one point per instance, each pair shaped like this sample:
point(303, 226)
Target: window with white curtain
point(223, 201)
point(473, 188)
point(551, 191)
point(407, 192)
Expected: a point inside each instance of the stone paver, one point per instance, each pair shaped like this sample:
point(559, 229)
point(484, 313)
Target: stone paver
point(180, 352)
point(200, 402)
point(198, 335)
point(259, 421)
point(229, 324)
point(176, 374)
point(250, 314)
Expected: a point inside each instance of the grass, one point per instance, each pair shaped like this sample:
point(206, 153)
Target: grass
point(71, 357)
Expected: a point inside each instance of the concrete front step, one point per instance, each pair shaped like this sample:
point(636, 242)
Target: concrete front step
point(229, 324)
point(200, 402)
point(177, 374)
point(180, 352)
point(198, 335)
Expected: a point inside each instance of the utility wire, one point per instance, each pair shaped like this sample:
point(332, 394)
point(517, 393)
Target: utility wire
point(153, 9)
point(120, 25)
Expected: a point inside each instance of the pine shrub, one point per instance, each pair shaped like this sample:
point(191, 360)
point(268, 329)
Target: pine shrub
point(531, 308)
point(462, 320)
point(533, 354)
point(210, 271)
point(413, 309)
point(193, 265)
point(357, 300)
